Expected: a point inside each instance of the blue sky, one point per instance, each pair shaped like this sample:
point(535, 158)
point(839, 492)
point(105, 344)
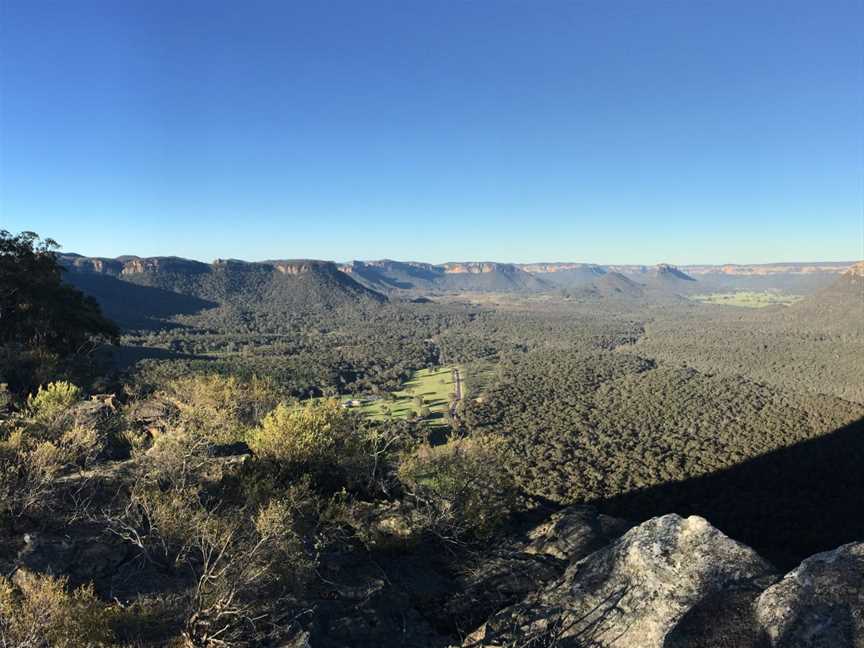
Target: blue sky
point(436, 130)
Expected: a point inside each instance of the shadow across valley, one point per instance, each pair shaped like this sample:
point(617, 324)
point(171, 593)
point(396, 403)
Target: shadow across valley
point(133, 306)
point(787, 504)
point(124, 356)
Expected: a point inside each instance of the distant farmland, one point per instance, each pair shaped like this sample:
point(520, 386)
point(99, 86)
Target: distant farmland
point(748, 299)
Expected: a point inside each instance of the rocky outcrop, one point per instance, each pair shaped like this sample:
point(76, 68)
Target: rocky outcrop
point(574, 533)
point(83, 558)
point(673, 582)
point(856, 270)
point(499, 580)
point(303, 266)
point(478, 267)
point(549, 268)
point(818, 605)
point(153, 265)
point(633, 593)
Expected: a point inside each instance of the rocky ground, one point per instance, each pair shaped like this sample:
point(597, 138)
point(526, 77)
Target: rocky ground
point(577, 579)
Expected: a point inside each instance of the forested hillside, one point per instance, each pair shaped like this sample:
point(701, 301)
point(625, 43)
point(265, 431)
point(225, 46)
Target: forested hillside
point(815, 345)
point(595, 427)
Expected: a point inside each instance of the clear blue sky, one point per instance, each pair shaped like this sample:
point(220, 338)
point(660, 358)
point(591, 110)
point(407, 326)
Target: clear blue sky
point(523, 130)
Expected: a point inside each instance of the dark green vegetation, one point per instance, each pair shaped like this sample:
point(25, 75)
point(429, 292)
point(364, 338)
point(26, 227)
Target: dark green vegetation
point(602, 428)
point(200, 499)
point(814, 345)
point(45, 325)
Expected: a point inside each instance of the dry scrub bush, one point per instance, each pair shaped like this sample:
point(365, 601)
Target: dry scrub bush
point(461, 488)
point(177, 457)
point(37, 444)
point(37, 611)
point(218, 408)
point(27, 474)
point(161, 524)
point(244, 568)
point(243, 562)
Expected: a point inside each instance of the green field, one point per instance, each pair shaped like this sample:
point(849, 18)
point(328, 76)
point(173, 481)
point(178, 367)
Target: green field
point(748, 299)
point(435, 386)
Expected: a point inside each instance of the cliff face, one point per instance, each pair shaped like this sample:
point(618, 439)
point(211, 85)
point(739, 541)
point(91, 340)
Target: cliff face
point(161, 265)
point(154, 285)
point(856, 271)
point(767, 268)
point(478, 267)
point(92, 265)
point(395, 277)
point(304, 266)
point(387, 264)
point(126, 266)
point(549, 268)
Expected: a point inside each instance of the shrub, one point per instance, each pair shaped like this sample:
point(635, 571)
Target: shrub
point(221, 408)
point(81, 445)
point(52, 401)
point(319, 437)
point(277, 527)
point(176, 457)
point(27, 474)
point(37, 611)
point(461, 487)
point(48, 410)
point(161, 524)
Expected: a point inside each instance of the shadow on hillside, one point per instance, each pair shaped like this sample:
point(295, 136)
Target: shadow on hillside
point(133, 306)
point(124, 356)
point(787, 504)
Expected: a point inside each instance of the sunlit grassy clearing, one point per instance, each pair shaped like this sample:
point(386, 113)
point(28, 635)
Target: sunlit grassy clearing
point(435, 386)
point(748, 299)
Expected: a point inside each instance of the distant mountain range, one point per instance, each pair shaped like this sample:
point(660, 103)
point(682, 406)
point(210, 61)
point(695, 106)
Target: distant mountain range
point(139, 292)
point(388, 276)
point(161, 286)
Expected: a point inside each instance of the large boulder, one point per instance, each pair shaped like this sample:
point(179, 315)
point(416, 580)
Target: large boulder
point(634, 592)
point(820, 604)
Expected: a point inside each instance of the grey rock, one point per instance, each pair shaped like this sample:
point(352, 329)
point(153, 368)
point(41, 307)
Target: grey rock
point(575, 532)
point(632, 593)
point(820, 604)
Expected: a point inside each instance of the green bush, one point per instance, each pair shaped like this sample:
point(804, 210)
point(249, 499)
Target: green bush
point(320, 438)
point(50, 405)
point(219, 408)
